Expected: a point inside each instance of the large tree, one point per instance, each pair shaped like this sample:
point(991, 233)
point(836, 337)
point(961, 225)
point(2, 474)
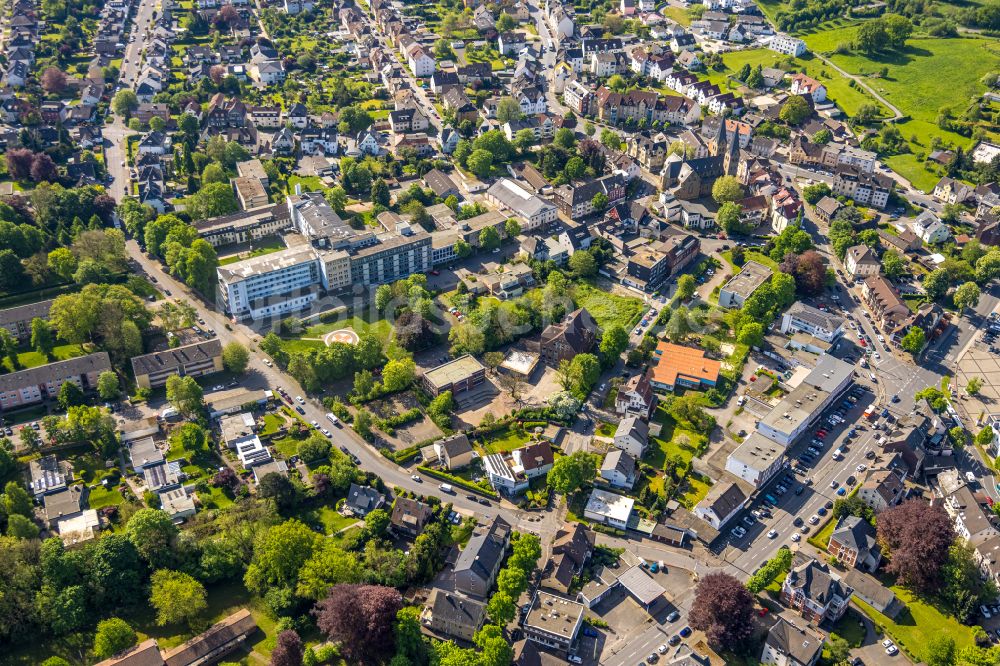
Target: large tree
point(726, 189)
point(176, 596)
point(289, 649)
point(185, 394)
point(966, 296)
point(114, 635)
point(723, 609)
point(153, 534)
point(235, 357)
point(916, 536)
point(362, 619)
point(795, 110)
point(570, 473)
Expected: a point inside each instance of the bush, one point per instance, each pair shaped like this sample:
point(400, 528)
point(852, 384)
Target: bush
point(771, 569)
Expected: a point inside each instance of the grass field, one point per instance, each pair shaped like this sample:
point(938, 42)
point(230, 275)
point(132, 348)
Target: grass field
point(697, 488)
point(607, 308)
point(503, 441)
point(914, 84)
point(917, 623)
point(261, 247)
point(821, 539)
point(751, 255)
point(380, 328)
point(847, 98)
point(32, 359)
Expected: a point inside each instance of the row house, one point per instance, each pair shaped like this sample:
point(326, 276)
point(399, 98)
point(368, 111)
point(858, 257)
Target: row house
point(887, 308)
point(871, 189)
point(531, 98)
point(576, 200)
point(224, 113)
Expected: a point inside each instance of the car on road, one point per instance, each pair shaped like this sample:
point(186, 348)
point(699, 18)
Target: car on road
point(842, 491)
point(796, 537)
point(652, 658)
point(326, 432)
point(415, 477)
point(772, 534)
point(299, 400)
point(834, 483)
point(662, 649)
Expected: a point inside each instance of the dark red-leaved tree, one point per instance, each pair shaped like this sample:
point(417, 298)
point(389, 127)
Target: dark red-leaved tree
point(917, 537)
point(361, 618)
point(288, 651)
point(43, 168)
point(217, 73)
point(19, 163)
point(53, 80)
point(228, 15)
point(723, 609)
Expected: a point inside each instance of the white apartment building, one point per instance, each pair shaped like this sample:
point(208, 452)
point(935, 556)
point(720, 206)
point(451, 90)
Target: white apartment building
point(786, 45)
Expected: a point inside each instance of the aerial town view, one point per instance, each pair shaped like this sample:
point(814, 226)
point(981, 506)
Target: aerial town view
point(491, 332)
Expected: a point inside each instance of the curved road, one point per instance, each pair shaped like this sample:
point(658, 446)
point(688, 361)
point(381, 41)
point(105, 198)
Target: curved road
point(897, 113)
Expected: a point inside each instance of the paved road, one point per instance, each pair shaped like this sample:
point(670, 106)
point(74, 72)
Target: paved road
point(897, 114)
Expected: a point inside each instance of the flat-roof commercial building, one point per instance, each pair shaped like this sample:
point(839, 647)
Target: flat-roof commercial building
point(460, 374)
point(531, 210)
point(757, 460)
point(18, 319)
point(742, 285)
point(250, 192)
point(803, 406)
point(609, 508)
point(26, 387)
point(194, 360)
point(271, 284)
point(553, 621)
point(683, 367)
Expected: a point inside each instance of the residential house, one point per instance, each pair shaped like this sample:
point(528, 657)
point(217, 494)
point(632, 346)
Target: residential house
point(632, 435)
point(883, 302)
point(949, 190)
point(609, 508)
point(853, 543)
point(576, 334)
point(477, 565)
point(571, 548)
point(790, 645)
point(802, 318)
point(815, 592)
point(619, 469)
point(930, 229)
point(635, 397)
point(724, 500)
point(860, 261)
point(362, 500)
point(409, 516)
point(871, 189)
point(454, 451)
point(883, 488)
point(453, 615)
point(806, 85)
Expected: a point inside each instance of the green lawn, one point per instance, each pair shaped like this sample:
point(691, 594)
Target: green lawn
point(503, 441)
point(847, 98)
point(917, 623)
point(32, 359)
point(914, 84)
point(101, 497)
point(751, 255)
point(697, 488)
point(272, 424)
point(380, 328)
point(216, 498)
point(671, 442)
point(678, 14)
point(308, 183)
point(606, 429)
point(848, 629)
point(821, 539)
point(296, 345)
point(286, 446)
point(607, 308)
point(261, 247)
point(332, 521)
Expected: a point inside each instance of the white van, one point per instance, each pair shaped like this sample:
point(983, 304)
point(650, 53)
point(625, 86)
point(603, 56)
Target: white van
point(333, 419)
point(170, 414)
point(837, 454)
point(446, 488)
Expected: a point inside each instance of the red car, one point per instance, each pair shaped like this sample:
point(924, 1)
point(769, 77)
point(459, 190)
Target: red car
point(862, 342)
point(821, 435)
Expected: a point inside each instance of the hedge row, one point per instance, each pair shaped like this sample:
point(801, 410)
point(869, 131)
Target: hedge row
point(457, 481)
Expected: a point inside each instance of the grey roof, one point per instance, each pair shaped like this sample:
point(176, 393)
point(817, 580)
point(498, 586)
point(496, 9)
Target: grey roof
point(815, 316)
point(65, 502)
point(455, 445)
point(828, 205)
point(641, 585)
point(724, 498)
point(484, 550)
point(47, 474)
point(364, 498)
point(634, 426)
point(177, 357)
point(814, 580)
point(25, 312)
point(856, 534)
point(751, 276)
point(14, 381)
point(455, 608)
point(440, 182)
point(800, 643)
point(144, 453)
point(862, 254)
point(620, 461)
point(513, 197)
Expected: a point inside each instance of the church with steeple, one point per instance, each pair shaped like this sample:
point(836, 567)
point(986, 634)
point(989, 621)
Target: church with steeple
point(690, 179)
